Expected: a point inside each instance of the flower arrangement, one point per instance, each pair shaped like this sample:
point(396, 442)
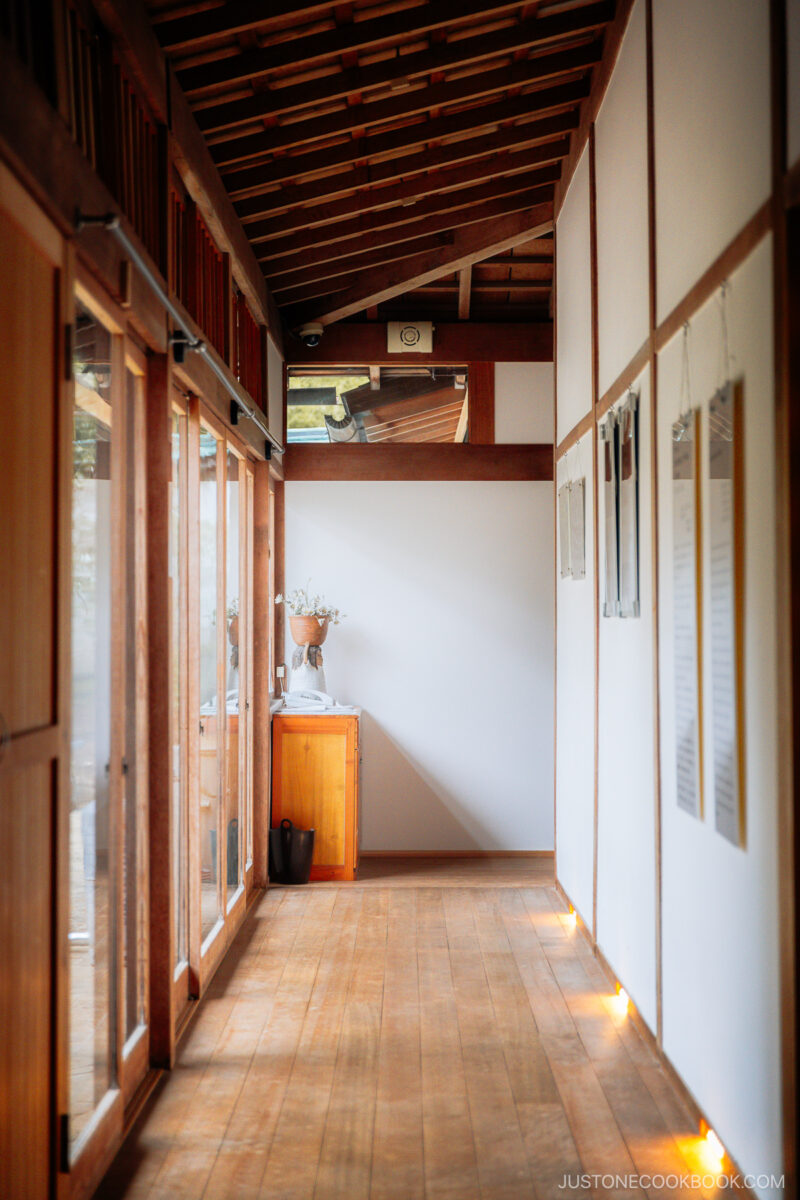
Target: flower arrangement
point(301, 604)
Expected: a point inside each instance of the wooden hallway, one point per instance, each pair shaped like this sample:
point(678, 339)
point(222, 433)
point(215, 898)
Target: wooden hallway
point(438, 1029)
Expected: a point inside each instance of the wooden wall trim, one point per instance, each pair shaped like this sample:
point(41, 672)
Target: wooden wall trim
point(454, 343)
point(625, 379)
point(578, 431)
point(481, 403)
point(734, 254)
point(652, 358)
point(416, 462)
point(786, 285)
point(595, 495)
point(730, 258)
point(601, 77)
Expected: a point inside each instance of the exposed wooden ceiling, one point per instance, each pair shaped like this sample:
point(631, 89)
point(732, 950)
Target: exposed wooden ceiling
point(391, 160)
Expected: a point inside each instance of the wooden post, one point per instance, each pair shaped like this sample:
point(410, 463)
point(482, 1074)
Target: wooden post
point(162, 1040)
point(262, 624)
point(481, 403)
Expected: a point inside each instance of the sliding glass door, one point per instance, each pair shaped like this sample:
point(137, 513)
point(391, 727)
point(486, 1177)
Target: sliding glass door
point(108, 862)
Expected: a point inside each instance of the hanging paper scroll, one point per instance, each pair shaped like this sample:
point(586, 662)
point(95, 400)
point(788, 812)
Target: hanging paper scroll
point(687, 613)
point(628, 491)
point(564, 530)
point(608, 455)
point(726, 529)
point(577, 528)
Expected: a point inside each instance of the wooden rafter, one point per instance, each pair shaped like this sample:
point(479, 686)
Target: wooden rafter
point(470, 246)
point(468, 216)
point(405, 192)
point(403, 68)
point(398, 141)
point(235, 17)
point(406, 25)
point(408, 104)
point(410, 217)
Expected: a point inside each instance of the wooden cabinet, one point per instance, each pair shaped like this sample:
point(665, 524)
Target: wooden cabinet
point(315, 785)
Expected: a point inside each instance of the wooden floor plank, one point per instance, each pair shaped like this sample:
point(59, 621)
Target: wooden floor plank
point(423, 1036)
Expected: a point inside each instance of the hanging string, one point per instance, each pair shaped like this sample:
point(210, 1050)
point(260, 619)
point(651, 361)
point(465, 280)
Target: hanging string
point(724, 360)
point(681, 426)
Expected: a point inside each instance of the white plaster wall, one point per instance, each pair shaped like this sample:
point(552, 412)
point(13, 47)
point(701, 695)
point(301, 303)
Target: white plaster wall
point(720, 903)
point(274, 390)
point(523, 402)
point(447, 646)
point(622, 234)
point(575, 705)
point(793, 78)
point(712, 132)
point(574, 307)
point(626, 867)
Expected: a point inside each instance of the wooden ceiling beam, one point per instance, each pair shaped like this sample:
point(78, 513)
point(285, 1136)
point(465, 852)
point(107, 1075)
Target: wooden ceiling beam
point(454, 344)
point(542, 32)
point(509, 285)
point(307, 50)
point(471, 214)
point(464, 292)
point(470, 246)
point(411, 137)
point(315, 127)
point(281, 250)
point(418, 187)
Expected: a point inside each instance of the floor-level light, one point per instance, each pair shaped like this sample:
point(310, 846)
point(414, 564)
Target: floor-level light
point(621, 1000)
point(715, 1146)
point(572, 918)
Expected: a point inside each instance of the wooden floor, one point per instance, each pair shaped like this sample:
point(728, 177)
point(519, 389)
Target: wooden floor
point(436, 1030)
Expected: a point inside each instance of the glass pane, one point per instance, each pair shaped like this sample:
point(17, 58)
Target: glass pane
point(233, 626)
point(91, 922)
point(209, 718)
point(393, 404)
point(177, 699)
point(134, 829)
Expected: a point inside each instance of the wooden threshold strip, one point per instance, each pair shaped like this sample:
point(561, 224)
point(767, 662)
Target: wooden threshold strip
point(575, 434)
point(418, 462)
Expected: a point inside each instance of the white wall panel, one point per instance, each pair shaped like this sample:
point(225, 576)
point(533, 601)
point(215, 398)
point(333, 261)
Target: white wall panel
point(575, 706)
point(712, 132)
point(523, 402)
point(622, 235)
point(574, 306)
point(447, 645)
point(720, 902)
point(626, 867)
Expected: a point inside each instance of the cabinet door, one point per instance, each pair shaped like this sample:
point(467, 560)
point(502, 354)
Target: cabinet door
point(313, 786)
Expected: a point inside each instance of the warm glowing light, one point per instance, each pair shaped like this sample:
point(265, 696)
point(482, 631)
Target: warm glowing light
point(572, 919)
point(621, 1001)
point(714, 1145)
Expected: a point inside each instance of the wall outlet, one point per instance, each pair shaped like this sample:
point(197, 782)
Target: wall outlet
point(280, 672)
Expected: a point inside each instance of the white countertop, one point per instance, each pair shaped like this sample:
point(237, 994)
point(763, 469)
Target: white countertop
point(278, 708)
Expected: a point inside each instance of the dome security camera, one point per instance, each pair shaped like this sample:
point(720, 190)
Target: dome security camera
point(311, 334)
